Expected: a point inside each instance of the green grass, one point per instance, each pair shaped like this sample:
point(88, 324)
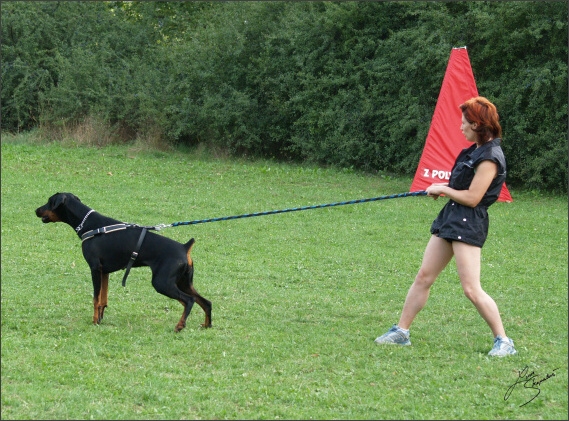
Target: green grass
point(298, 298)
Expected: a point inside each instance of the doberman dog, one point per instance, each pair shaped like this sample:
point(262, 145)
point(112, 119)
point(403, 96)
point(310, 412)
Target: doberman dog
point(110, 245)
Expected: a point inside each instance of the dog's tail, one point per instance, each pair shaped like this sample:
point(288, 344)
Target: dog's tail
point(188, 246)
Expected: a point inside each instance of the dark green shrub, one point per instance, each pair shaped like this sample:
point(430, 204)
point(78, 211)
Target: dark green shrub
point(350, 84)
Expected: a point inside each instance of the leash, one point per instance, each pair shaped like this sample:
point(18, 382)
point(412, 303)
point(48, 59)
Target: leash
point(249, 215)
point(134, 255)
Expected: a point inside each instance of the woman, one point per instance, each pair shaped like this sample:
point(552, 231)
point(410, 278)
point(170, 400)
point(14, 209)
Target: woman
point(461, 227)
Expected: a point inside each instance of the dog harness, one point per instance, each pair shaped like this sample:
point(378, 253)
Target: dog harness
point(119, 227)
point(105, 230)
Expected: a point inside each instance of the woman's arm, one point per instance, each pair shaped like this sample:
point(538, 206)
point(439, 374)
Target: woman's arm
point(486, 171)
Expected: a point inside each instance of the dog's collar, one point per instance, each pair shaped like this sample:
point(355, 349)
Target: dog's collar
point(104, 230)
point(80, 227)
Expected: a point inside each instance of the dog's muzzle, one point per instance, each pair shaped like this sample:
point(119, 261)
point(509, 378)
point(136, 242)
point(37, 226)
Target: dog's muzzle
point(45, 215)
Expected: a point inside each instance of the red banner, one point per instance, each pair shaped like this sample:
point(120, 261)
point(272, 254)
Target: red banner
point(444, 139)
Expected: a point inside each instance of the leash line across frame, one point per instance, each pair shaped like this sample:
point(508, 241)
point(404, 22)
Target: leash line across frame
point(249, 215)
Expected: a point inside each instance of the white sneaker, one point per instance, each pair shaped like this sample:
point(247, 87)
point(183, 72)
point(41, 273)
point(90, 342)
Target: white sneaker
point(394, 336)
point(502, 347)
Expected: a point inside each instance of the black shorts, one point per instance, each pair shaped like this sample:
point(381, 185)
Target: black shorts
point(456, 222)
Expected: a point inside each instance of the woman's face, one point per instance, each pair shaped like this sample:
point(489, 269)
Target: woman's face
point(467, 130)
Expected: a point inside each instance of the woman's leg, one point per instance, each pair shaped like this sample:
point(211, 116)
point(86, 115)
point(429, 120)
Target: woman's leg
point(437, 255)
point(468, 265)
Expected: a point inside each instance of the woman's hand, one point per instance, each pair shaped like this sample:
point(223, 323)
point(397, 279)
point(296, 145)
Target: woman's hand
point(485, 173)
point(436, 189)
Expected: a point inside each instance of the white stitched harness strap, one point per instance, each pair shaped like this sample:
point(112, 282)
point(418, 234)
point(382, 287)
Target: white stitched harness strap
point(104, 230)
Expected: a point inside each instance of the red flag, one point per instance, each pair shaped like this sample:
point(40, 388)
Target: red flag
point(444, 139)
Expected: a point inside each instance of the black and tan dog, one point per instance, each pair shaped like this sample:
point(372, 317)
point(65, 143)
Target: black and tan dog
point(110, 245)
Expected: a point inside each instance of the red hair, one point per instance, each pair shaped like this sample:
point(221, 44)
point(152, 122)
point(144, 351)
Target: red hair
point(483, 113)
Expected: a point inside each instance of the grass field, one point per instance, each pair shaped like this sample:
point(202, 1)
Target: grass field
point(298, 298)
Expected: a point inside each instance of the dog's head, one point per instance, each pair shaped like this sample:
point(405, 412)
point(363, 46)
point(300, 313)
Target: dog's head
point(48, 212)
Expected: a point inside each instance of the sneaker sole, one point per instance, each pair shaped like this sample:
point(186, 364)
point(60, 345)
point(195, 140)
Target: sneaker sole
point(392, 343)
point(502, 355)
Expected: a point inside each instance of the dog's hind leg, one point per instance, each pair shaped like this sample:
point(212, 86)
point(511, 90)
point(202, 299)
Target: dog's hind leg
point(165, 284)
point(187, 308)
point(204, 304)
point(186, 284)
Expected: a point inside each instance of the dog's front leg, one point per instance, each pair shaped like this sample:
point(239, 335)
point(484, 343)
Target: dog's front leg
point(103, 295)
point(100, 293)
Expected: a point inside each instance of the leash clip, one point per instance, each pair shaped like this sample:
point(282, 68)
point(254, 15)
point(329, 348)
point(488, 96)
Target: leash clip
point(161, 226)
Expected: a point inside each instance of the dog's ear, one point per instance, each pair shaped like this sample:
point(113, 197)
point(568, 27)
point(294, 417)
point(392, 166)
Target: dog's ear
point(58, 199)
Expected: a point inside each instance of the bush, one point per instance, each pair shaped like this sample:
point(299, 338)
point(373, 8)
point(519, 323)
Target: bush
point(350, 84)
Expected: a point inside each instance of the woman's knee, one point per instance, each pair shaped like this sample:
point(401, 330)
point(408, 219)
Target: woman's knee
point(473, 294)
point(425, 278)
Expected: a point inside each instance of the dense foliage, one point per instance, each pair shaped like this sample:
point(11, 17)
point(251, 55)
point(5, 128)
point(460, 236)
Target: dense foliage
point(352, 84)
